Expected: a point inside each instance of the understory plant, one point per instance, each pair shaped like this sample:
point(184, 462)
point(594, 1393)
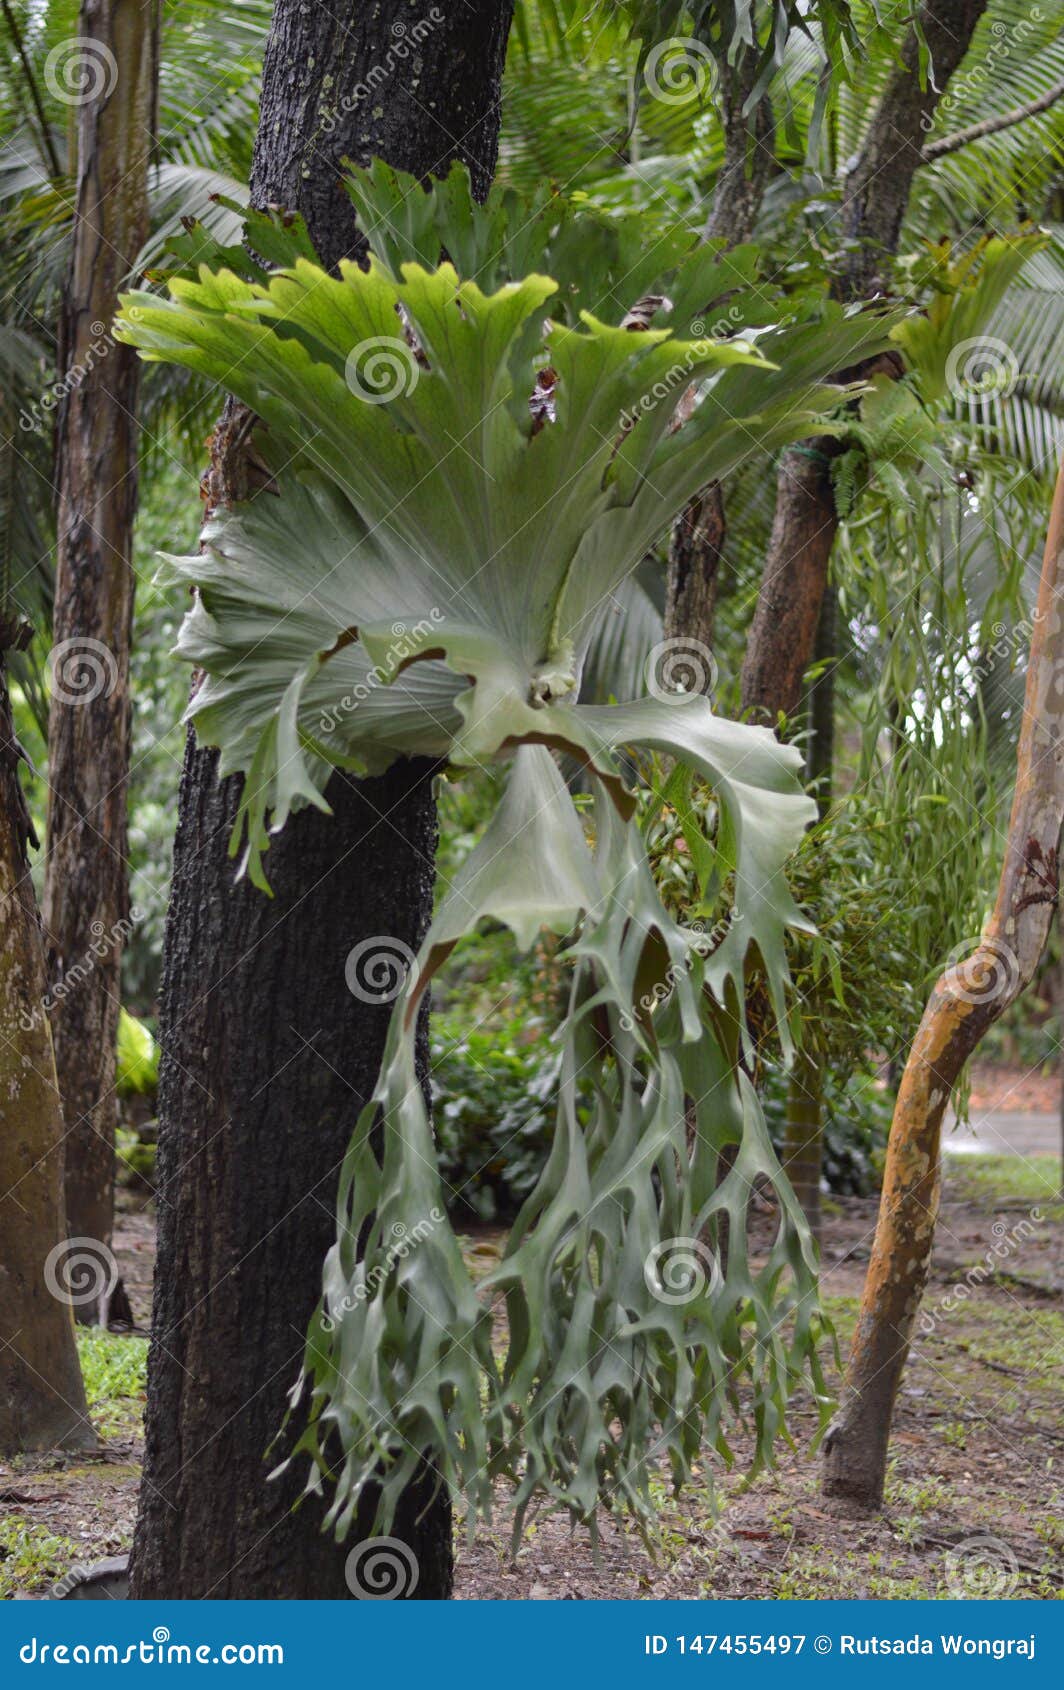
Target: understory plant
point(461, 478)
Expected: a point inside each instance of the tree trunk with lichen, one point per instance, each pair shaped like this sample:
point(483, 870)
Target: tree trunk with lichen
point(42, 1398)
point(86, 897)
point(968, 999)
point(267, 1056)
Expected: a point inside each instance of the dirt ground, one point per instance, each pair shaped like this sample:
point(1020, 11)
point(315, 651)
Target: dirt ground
point(975, 1502)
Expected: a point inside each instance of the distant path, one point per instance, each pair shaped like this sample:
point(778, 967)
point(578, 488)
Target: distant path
point(995, 1133)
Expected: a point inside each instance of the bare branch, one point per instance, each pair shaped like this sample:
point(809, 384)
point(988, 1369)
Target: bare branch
point(992, 125)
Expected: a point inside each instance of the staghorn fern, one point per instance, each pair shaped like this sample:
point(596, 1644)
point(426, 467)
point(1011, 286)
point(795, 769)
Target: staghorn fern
point(460, 482)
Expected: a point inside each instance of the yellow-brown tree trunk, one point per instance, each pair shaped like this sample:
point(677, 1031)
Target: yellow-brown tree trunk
point(965, 1002)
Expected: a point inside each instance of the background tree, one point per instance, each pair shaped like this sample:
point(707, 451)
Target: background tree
point(268, 1058)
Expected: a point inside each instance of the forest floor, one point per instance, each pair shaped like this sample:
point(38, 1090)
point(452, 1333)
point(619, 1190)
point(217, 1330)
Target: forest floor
point(975, 1497)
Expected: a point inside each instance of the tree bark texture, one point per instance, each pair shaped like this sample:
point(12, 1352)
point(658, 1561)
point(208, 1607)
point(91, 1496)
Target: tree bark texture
point(875, 197)
point(86, 899)
point(697, 543)
point(965, 1002)
point(42, 1399)
point(268, 1058)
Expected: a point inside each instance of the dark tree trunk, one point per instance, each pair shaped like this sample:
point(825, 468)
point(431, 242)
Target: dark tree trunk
point(697, 544)
point(86, 897)
point(876, 195)
point(42, 1399)
point(267, 1057)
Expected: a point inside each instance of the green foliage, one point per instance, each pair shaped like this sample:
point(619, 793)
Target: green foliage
point(137, 1069)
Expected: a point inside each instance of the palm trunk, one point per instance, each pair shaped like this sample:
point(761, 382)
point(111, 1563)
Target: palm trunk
point(86, 899)
point(42, 1398)
point(803, 1142)
point(267, 1057)
point(966, 1001)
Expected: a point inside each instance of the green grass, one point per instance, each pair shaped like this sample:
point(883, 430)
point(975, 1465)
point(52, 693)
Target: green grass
point(1018, 1179)
point(114, 1369)
point(31, 1557)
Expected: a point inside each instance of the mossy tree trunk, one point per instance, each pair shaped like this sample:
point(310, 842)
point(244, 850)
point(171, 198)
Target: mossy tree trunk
point(42, 1398)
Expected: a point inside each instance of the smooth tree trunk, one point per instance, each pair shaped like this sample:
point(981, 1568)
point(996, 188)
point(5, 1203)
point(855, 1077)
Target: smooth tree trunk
point(268, 1057)
point(875, 198)
point(42, 1398)
point(696, 547)
point(86, 898)
point(968, 999)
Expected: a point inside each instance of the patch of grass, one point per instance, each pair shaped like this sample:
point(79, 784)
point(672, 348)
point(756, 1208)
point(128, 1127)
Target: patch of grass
point(1029, 1340)
point(999, 1179)
point(114, 1367)
point(30, 1557)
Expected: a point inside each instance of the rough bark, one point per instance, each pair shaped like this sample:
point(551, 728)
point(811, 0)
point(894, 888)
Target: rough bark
point(267, 1057)
point(964, 1003)
point(86, 899)
point(696, 547)
point(42, 1399)
point(875, 197)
